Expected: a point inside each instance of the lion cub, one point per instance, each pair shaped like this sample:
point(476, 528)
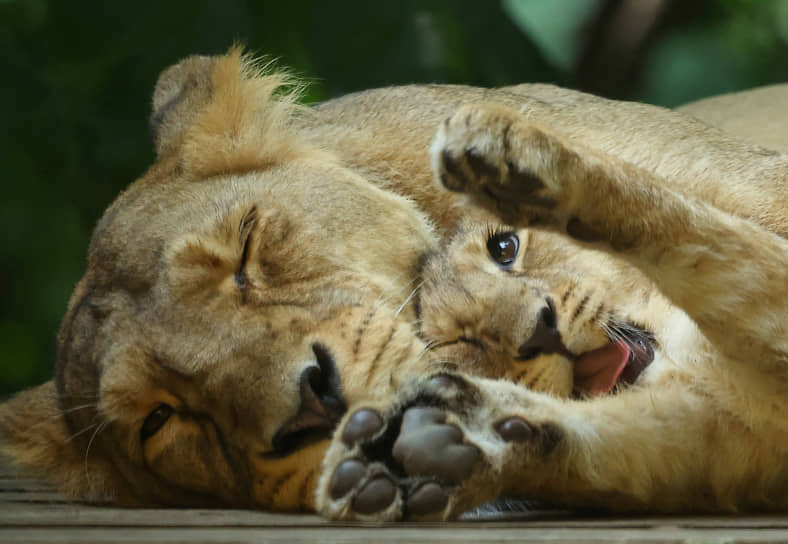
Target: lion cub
point(609, 279)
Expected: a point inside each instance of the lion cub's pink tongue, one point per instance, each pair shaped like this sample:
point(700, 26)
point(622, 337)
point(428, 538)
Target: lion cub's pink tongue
point(597, 372)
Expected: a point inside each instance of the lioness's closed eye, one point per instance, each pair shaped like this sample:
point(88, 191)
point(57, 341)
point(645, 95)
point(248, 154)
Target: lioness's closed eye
point(289, 310)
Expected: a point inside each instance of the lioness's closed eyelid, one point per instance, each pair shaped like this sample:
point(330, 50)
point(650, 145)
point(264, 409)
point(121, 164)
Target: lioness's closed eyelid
point(245, 230)
point(240, 274)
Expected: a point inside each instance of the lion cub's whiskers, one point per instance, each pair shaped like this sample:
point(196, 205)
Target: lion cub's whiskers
point(408, 299)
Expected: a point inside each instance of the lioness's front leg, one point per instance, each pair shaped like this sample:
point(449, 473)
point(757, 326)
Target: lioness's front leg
point(449, 443)
point(728, 273)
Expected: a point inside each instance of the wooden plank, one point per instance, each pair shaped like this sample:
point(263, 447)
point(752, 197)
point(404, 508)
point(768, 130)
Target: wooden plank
point(43, 509)
point(16, 514)
point(62, 515)
point(30, 512)
point(385, 534)
point(17, 484)
point(31, 496)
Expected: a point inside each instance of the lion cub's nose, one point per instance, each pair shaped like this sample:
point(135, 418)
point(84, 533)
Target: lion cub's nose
point(322, 405)
point(545, 337)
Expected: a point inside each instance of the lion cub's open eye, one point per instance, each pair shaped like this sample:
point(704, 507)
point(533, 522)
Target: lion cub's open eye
point(155, 421)
point(503, 247)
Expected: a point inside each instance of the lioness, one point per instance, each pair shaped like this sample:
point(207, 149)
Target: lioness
point(277, 265)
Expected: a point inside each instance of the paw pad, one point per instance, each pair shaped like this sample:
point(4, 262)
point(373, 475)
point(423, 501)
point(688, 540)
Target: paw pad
point(453, 178)
point(544, 437)
point(361, 425)
point(375, 496)
point(515, 429)
point(427, 499)
point(345, 478)
point(428, 446)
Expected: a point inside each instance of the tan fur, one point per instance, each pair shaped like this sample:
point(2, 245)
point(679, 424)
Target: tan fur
point(337, 210)
point(704, 428)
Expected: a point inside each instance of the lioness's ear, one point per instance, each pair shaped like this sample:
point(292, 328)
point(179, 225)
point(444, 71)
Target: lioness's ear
point(181, 92)
point(35, 439)
point(226, 114)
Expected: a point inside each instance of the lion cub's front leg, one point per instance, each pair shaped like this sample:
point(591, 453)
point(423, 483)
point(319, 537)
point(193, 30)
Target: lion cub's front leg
point(692, 250)
point(441, 447)
point(529, 175)
point(508, 165)
point(448, 443)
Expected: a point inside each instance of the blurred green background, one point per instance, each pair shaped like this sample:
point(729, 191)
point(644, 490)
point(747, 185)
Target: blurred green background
point(78, 77)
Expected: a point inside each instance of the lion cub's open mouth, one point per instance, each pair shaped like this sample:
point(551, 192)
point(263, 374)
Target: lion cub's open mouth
point(622, 361)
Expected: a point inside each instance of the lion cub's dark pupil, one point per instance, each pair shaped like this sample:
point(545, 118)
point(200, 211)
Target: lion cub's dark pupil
point(503, 247)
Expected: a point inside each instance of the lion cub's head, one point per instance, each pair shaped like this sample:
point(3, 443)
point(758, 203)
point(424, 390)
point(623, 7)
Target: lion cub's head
point(236, 298)
point(537, 308)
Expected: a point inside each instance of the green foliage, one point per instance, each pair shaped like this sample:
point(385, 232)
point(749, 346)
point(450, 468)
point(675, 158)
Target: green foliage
point(78, 78)
point(739, 44)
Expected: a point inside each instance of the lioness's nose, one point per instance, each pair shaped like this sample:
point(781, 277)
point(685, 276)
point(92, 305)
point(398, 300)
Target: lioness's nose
point(322, 405)
point(320, 385)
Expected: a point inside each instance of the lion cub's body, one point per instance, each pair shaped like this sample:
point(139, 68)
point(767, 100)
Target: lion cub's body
point(278, 264)
point(680, 254)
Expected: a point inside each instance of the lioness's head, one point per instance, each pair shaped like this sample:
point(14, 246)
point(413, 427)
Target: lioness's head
point(237, 297)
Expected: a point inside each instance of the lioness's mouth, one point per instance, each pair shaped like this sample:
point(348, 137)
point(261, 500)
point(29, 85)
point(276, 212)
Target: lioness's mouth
point(620, 362)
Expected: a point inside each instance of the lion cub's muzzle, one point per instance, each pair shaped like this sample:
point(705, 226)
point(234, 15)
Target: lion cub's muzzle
point(322, 405)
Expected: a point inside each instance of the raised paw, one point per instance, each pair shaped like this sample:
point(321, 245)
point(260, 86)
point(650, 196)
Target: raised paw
point(420, 458)
point(503, 162)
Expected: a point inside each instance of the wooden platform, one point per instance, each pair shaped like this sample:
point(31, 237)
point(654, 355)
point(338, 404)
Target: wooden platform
point(31, 512)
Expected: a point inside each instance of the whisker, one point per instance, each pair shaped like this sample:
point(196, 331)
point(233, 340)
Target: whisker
point(101, 426)
point(93, 396)
point(384, 299)
point(60, 414)
point(408, 299)
point(636, 338)
point(76, 408)
point(83, 431)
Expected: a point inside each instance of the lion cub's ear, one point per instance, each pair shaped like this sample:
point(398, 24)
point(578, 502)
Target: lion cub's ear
point(181, 92)
point(35, 439)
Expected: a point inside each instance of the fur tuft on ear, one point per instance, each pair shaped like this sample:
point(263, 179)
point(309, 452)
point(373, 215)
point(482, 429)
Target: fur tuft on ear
point(243, 127)
point(225, 114)
point(35, 439)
